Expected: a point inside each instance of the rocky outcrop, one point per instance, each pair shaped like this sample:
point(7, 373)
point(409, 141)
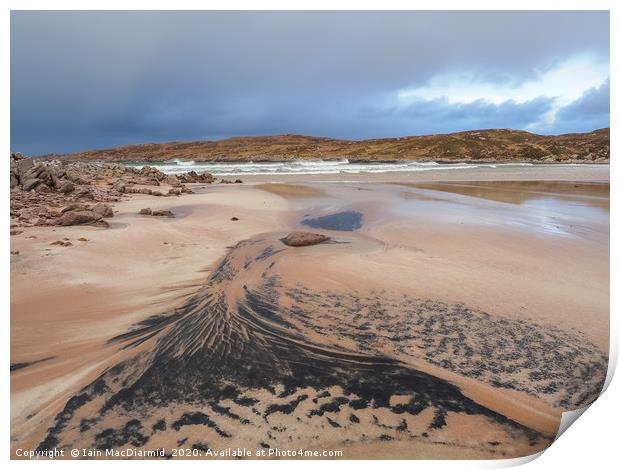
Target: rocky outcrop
point(304, 239)
point(193, 177)
point(60, 192)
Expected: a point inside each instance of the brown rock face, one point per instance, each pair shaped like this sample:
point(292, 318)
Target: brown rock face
point(304, 239)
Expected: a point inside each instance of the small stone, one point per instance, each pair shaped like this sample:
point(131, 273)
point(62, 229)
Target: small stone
point(234, 218)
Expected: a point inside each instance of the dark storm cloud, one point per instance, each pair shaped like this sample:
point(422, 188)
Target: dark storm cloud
point(96, 79)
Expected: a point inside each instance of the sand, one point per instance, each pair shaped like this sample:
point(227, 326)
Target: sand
point(529, 263)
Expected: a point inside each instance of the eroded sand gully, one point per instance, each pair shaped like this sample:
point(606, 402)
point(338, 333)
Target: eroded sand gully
point(400, 332)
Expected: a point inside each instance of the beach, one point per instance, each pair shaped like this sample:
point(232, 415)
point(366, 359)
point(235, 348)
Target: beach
point(452, 313)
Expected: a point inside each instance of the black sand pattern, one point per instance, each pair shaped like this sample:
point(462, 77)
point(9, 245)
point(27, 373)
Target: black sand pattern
point(237, 363)
point(541, 360)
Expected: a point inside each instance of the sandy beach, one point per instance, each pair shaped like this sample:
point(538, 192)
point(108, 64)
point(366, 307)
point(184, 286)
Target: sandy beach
point(450, 314)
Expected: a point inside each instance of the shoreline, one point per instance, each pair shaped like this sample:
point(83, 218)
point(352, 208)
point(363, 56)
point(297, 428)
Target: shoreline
point(578, 173)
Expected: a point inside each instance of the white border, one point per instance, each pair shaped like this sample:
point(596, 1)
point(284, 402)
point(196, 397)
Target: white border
point(591, 443)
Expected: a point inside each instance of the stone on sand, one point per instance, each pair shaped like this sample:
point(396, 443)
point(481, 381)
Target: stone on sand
point(304, 239)
point(83, 217)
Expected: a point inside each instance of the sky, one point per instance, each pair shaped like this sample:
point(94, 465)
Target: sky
point(86, 80)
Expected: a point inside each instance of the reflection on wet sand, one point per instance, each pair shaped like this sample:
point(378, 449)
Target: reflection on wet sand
point(519, 192)
point(290, 190)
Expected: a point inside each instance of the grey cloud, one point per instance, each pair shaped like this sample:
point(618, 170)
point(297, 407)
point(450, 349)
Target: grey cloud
point(95, 79)
point(591, 110)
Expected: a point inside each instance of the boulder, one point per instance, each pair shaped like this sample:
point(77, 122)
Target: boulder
point(120, 185)
point(65, 187)
point(304, 239)
point(103, 209)
point(151, 172)
point(173, 181)
point(193, 177)
point(76, 206)
point(30, 183)
point(78, 218)
point(42, 188)
point(162, 213)
point(85, 193)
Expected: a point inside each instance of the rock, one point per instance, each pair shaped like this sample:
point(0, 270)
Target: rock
point(66, 187)
point(193, 177)
point(30, 184)
point(83, 239)
point(174, 192)
point(139, 190)
point(76, 206)
point(173, 181)
point(101, 223)
point(157, 193)
point(42, 188)
point(79, 218)
point(151, 172)
point(162, 213)
point(234, 218)
point(119, 185)
point(16, 232)
point(146, 211)
point(103, 209)
point(304, 239)
point(16, 252)
point(85, 193)
point(238, 181)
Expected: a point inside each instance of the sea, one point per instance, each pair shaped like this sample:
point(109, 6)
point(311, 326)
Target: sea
point(310, 167)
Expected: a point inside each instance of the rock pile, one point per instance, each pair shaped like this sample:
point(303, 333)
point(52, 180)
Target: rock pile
point(54, 192)
point(193, 177)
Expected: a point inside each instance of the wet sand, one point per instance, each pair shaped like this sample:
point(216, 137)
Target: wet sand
point(414, 323)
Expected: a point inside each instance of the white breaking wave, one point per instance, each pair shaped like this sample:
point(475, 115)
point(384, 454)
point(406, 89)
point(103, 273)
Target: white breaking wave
point(309, 167)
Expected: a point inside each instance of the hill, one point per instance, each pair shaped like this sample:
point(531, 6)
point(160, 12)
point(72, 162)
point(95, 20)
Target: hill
point(501, 145)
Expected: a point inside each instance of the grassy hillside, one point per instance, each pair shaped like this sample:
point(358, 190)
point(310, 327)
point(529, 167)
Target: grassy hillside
point(502, 145)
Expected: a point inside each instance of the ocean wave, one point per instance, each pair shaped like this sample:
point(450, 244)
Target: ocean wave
point(311, 167)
